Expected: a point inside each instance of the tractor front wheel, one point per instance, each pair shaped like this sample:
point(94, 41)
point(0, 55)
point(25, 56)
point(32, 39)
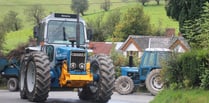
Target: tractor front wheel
point(37, 77)
point(22, 72)
point(102, 87)
point(124, 85)
point(12, 84)
point(154, 82)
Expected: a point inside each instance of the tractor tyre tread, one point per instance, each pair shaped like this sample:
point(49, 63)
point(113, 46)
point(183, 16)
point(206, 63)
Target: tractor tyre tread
point(43, 79)
point(148, 80)
point(107, 78)
point(106, 81)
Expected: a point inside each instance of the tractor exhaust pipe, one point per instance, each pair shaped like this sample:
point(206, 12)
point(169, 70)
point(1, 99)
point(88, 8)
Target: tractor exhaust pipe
point(131, 59)
point(78, 31)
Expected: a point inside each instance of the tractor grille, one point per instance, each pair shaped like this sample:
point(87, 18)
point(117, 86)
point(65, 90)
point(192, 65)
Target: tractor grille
point(77, 61)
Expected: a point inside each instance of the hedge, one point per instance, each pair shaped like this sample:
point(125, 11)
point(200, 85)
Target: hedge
point(187, 70)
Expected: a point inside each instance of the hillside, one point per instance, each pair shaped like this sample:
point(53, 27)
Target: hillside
point(157, 14)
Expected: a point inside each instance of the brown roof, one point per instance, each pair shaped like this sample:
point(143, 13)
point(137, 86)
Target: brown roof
point(101, 47)
point(131, 40)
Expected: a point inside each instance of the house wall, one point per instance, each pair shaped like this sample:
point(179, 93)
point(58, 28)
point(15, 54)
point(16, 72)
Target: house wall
point(179, 49)
point(133, 48)
point(140, 54)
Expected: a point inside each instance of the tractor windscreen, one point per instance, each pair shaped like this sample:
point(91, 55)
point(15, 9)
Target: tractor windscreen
point(61, 31)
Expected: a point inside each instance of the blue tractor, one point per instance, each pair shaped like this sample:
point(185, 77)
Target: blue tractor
point(9, 69)
point(147, 73)
point(61, 62)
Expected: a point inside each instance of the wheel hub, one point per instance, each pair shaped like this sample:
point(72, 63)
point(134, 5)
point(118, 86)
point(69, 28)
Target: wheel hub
point(156, 82)
point(94, 87)
point(31, 77)
point(124, 86)
point(12, 84)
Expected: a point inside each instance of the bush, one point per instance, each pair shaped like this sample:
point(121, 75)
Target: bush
point(188, 70)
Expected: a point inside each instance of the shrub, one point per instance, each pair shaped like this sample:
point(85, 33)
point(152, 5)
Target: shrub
point(188, 70)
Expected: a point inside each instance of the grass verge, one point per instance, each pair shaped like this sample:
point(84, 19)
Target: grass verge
point(182, 96)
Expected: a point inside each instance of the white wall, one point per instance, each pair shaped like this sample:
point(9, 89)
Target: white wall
point(179, 49)
point(132, 47)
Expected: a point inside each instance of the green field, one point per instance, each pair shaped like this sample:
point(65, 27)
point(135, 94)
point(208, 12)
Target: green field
point(157, 14)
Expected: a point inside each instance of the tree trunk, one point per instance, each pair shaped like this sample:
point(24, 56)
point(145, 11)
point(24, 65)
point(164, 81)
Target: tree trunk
point(82, 13)
point(143, 3)
point(158, 2)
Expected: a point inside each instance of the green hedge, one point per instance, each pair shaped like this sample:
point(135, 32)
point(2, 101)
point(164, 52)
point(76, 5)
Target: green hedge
point(188, 70)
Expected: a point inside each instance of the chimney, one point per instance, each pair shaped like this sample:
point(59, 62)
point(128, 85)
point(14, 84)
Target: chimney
point(170, 32)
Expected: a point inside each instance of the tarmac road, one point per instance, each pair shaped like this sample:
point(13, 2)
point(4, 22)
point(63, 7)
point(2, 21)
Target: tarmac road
point(71, 97)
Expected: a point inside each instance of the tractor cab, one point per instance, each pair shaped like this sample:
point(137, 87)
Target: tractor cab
point(62, 29)
point(152, 59)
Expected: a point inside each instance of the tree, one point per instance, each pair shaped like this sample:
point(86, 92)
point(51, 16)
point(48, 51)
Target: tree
point(2, 36)
point(158, 2)
point(11, 22)
point(96, 25)
point(35, 13)
point(109, 24)
point(106, 5)
point(104, 25)
point(182, 10)
point(79, 6)
point(197, 31)
point(133, 22)
point(143, 1)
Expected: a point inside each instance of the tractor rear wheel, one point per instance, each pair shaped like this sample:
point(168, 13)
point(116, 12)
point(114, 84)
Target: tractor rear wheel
point(154, 82)
point(37, 77)
point(12, 84)
point(102, 87)
point(124, 85)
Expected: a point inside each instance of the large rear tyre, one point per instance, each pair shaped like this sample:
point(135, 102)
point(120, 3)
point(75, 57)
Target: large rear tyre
point(12, 84)
point(154, 82)
point(101, 89)
point(37, 77)
point(124, 85)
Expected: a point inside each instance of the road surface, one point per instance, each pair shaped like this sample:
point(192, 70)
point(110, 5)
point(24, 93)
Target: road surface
point(71, 97)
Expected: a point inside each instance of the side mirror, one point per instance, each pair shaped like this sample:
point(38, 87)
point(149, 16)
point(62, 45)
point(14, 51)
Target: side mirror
point(89, 34)
point(35, 31)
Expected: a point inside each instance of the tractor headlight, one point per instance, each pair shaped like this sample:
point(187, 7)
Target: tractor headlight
point(73, 65)
point(81, 66)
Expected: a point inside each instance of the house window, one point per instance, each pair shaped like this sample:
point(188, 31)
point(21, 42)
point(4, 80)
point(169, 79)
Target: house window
point(134, 53)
